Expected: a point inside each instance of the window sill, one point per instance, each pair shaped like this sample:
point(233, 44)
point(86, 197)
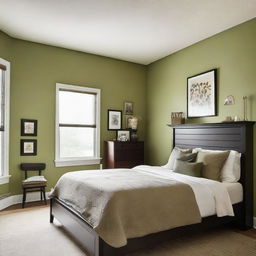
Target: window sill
point(4, 179)
point(74, 162)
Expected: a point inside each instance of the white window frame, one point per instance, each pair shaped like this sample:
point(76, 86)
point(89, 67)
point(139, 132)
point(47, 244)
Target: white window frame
point(5, 177)
point(73, 161)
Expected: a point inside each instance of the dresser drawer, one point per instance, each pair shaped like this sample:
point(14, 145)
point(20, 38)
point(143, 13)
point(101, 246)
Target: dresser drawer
point(128, 145)
point(127, 154)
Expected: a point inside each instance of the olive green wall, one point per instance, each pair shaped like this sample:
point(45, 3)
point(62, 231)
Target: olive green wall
point(35, 69)
point(232, 52)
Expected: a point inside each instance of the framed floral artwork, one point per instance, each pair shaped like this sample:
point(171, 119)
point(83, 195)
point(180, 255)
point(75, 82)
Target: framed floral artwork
point(201, 94)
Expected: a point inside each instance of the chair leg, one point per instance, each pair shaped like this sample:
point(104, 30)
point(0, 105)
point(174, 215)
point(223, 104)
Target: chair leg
point(51, 218)
point(44, 195)
point(51, 215)
point(41, 194)
point(24, 198)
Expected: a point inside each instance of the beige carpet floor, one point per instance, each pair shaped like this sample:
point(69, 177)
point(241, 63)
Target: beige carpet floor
point(29, 233)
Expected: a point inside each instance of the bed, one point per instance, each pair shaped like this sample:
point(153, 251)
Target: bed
point(223, 136)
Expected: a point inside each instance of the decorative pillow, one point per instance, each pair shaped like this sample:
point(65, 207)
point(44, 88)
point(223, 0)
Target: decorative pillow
point(176, 153)
point(213, 163)
point(187, 168)
point(231, 170)
point(191, 157)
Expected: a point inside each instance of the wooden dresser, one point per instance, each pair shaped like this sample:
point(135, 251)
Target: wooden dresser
point(124, 154)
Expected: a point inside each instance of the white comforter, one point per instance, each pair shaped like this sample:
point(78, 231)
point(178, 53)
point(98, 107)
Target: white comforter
point(211, 196)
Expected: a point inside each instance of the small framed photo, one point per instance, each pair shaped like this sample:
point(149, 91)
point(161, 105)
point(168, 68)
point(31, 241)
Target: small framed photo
point(123, 135)
point(201, 94)
point(28, 127)
point(28, 147)
point(114, 119)
point(128, 108)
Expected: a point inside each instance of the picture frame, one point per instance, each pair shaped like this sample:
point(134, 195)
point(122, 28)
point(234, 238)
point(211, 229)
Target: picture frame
point(128, 108)
point(202, 94)
point(28, 127)
point(28, 147)
point(114, 119)
point(123, 135)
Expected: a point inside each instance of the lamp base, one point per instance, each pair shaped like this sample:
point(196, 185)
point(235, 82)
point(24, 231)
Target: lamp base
point(134, 136)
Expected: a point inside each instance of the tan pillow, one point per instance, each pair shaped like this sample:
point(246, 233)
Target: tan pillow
point(213, 163)
point(176, 153)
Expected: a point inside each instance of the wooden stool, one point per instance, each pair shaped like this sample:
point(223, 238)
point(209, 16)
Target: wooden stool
point(34, 183)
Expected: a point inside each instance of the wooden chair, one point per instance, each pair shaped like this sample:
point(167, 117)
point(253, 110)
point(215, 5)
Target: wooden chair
point(33, 183)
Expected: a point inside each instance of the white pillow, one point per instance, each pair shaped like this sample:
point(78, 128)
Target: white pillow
point(176, 153)
point(231, 170)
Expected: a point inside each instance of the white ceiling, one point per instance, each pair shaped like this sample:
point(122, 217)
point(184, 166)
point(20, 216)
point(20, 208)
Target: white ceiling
point(140, 31)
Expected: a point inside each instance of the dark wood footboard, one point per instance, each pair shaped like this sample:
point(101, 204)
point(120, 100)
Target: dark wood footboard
point(77, 226)
point(88, 239)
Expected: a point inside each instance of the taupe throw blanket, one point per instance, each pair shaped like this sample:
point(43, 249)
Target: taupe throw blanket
point(127, 203)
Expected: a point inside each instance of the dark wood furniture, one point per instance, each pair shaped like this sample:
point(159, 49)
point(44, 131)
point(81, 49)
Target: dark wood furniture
point(237, 136)
point(231, 135)
point(33, 184)
point(124, 154)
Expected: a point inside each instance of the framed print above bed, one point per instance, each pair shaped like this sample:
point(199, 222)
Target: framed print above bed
point(201, 94)
point(114, 119)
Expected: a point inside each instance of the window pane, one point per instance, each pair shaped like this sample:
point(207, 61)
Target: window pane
point(76, 108)
point(76, 142)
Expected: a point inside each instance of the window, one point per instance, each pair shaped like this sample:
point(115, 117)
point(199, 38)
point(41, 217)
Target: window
point(4, 119)
point(77, 125)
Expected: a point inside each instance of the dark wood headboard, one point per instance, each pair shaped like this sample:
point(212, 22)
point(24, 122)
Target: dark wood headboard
point(223, 136)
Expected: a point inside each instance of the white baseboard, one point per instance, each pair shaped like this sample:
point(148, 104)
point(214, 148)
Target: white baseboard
point(16, 199)
point(254, 222)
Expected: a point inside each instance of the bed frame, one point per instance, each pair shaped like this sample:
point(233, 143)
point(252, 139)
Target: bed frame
point(236, 136)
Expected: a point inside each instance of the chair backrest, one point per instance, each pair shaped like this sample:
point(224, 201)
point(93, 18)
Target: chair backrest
point(32, 167)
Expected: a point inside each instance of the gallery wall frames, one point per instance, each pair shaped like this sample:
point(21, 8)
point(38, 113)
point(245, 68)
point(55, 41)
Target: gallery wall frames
point(123, 135)
point(128, 108)
point(28, 127)
point(28, 147)
point(114, 119)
